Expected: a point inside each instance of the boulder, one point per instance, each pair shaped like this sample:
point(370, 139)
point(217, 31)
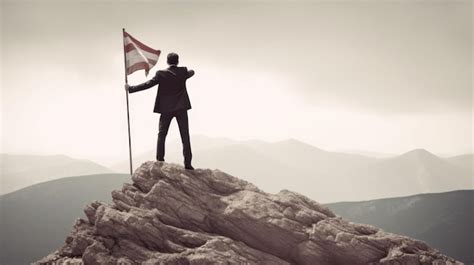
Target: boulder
point(170, 215)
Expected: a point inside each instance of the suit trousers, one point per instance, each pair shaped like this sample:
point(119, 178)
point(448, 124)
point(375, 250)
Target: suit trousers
point(164, 125)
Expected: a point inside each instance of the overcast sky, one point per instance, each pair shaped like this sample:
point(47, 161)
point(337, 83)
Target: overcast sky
point(385, 76)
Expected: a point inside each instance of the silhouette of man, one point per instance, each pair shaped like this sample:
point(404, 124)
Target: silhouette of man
point(172, 100)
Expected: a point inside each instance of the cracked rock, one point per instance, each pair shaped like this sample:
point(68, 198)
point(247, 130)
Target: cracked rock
point(170, 215)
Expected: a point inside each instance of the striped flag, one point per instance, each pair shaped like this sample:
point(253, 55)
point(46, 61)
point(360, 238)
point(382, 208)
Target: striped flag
point(138, 56)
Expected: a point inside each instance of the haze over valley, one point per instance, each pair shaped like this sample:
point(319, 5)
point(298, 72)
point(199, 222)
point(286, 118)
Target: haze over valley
point(322, 175)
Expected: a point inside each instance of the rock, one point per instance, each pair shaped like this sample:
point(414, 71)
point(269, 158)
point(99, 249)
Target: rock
point(170, 215)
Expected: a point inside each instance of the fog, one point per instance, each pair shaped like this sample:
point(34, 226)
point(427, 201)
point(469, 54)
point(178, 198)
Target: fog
point(380, 76)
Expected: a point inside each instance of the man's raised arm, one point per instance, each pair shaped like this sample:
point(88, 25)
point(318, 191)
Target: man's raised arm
point(190, 73)
point(152, 82)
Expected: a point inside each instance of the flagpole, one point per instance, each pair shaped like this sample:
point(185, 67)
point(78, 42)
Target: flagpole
point(126, 97)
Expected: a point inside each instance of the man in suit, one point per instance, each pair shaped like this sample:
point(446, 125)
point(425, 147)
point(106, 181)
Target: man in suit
point(172, 100)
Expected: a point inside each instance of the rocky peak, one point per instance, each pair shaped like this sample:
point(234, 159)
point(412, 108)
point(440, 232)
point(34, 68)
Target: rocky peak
point(173, 216)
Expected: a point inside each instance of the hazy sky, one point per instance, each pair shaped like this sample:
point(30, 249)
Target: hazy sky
point(385, 76)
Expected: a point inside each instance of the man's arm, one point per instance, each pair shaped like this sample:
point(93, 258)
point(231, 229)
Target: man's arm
point(152, 82)
point(190, 73)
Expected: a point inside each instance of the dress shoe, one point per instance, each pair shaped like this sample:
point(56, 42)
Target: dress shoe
point(189, 167)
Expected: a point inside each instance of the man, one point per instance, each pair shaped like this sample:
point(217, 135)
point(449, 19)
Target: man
point(172, 100)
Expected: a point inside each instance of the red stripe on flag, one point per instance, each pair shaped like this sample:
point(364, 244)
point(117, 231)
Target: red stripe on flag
point(131, 47)
point(140, 66)
point(140, 45)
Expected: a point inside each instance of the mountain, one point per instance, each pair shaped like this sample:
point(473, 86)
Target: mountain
point(19, 171)
point(34, 220)
point(445, 220)
point(323, 175)
point(303, 155)
point(170, 215)
point(464, 161)
point(423, 171)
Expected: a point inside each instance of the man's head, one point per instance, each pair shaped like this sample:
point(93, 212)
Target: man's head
point(173, 58)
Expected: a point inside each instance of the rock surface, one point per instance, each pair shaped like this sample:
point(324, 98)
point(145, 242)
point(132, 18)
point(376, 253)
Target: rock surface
point(174, 216)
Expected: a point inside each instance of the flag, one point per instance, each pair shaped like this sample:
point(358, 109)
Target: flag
point(138, 56)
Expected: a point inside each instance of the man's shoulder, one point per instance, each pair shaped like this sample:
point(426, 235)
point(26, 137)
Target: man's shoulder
point(181, 68)
point(168, 69)
point(162, 73)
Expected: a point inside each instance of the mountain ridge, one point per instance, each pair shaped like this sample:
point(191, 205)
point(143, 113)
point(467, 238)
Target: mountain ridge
point(445, 220)
point(18, 170)
point(314, 171)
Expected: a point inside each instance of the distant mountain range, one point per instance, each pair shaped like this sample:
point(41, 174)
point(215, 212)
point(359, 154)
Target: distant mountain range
point(19, 171)
point(444, 220)
point(36, 219)
point(322, 175)
point(464, 161)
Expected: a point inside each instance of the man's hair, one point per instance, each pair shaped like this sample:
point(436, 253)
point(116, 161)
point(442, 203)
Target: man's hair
point(172, 58)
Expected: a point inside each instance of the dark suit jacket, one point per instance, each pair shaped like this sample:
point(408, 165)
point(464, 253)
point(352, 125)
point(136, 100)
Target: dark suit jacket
point(172, 94)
